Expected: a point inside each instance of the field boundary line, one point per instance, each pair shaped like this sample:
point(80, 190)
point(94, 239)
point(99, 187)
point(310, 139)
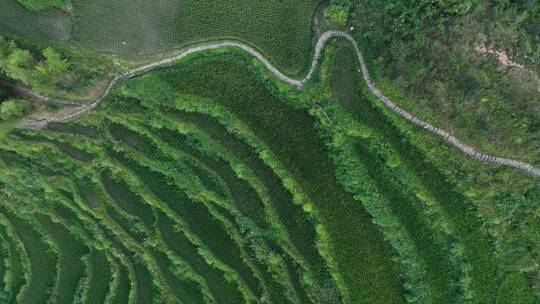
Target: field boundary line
point(78, 111)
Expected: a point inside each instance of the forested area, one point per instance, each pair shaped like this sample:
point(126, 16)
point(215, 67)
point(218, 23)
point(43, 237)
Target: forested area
point(60, 72)
point(43, 72)
point(428, 51)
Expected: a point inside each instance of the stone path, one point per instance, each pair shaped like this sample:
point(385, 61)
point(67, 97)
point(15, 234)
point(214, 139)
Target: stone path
point(78, 111)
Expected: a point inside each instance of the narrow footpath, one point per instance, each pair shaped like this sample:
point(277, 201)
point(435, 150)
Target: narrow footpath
point(75, 112)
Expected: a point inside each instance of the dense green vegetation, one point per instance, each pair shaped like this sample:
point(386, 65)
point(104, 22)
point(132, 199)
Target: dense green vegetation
point(238, 199)
point(427, 51)
point(281, 31)
point(514, 289)
point(19, 64)
point(66, 73)
point(13, 108)
point(211, 182)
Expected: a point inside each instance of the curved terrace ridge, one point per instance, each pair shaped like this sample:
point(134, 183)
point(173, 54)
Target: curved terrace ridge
point(78, 111)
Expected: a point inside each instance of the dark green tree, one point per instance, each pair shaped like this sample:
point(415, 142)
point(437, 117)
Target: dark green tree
point(514, 290)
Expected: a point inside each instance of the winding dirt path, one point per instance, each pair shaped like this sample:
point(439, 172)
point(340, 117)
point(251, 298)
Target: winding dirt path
point(78, 111)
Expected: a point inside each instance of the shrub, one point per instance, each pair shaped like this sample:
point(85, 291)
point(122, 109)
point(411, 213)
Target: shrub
point(514, 290)
point(338, 11)
point(13, 108)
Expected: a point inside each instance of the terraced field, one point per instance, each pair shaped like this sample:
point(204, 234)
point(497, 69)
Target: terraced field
point(209, 182)
point(282, 31)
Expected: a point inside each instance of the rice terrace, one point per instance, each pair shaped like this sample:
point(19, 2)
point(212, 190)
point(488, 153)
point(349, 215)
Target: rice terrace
point(270, 151)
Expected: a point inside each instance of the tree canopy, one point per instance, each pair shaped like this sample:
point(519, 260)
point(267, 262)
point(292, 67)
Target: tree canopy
point(39, 73)
point(13, 108)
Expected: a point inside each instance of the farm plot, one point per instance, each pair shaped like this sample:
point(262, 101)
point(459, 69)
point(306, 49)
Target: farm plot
point(42, 266)
point(298, 226)
point(281, 30)
point(71, 267)
point(202, 183)
point(99, 277)
point(267, 280)
point(290, 134)
point(303, 228)
point(199, 220)
point(45, 26)
point(14, 267)
point(223, 290)
point(455, 207)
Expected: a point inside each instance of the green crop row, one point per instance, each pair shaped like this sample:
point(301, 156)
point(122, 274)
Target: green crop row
point(238, 188)
point(92, 191)
point(70, 268)
point(281, 30)
point(42, 261)
point(99, 274)
point(14, 276)
point(223, 187)
point(289, 134)
point(192, 152)
point(297, 225)
point(73, 221)
point(299, 228)
point(454, 208)
point(197, 217)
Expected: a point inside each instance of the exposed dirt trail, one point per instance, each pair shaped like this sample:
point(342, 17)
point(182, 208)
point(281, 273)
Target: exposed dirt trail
point(78, 111)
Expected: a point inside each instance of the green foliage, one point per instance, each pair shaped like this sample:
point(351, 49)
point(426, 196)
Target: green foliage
point(51, 72)
point(15, 263)
point(428, 55)
point(207, 181)
point(184, 248)
point(20, 64)
point(337, 14)
point(289, 133)
point(71, 267)
point(338, 11)
point(417, 172)
point(298, 227)
point(13, 108)
point(41, 4)
point(42, 261)
point(99, 275)
point(515, 290)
